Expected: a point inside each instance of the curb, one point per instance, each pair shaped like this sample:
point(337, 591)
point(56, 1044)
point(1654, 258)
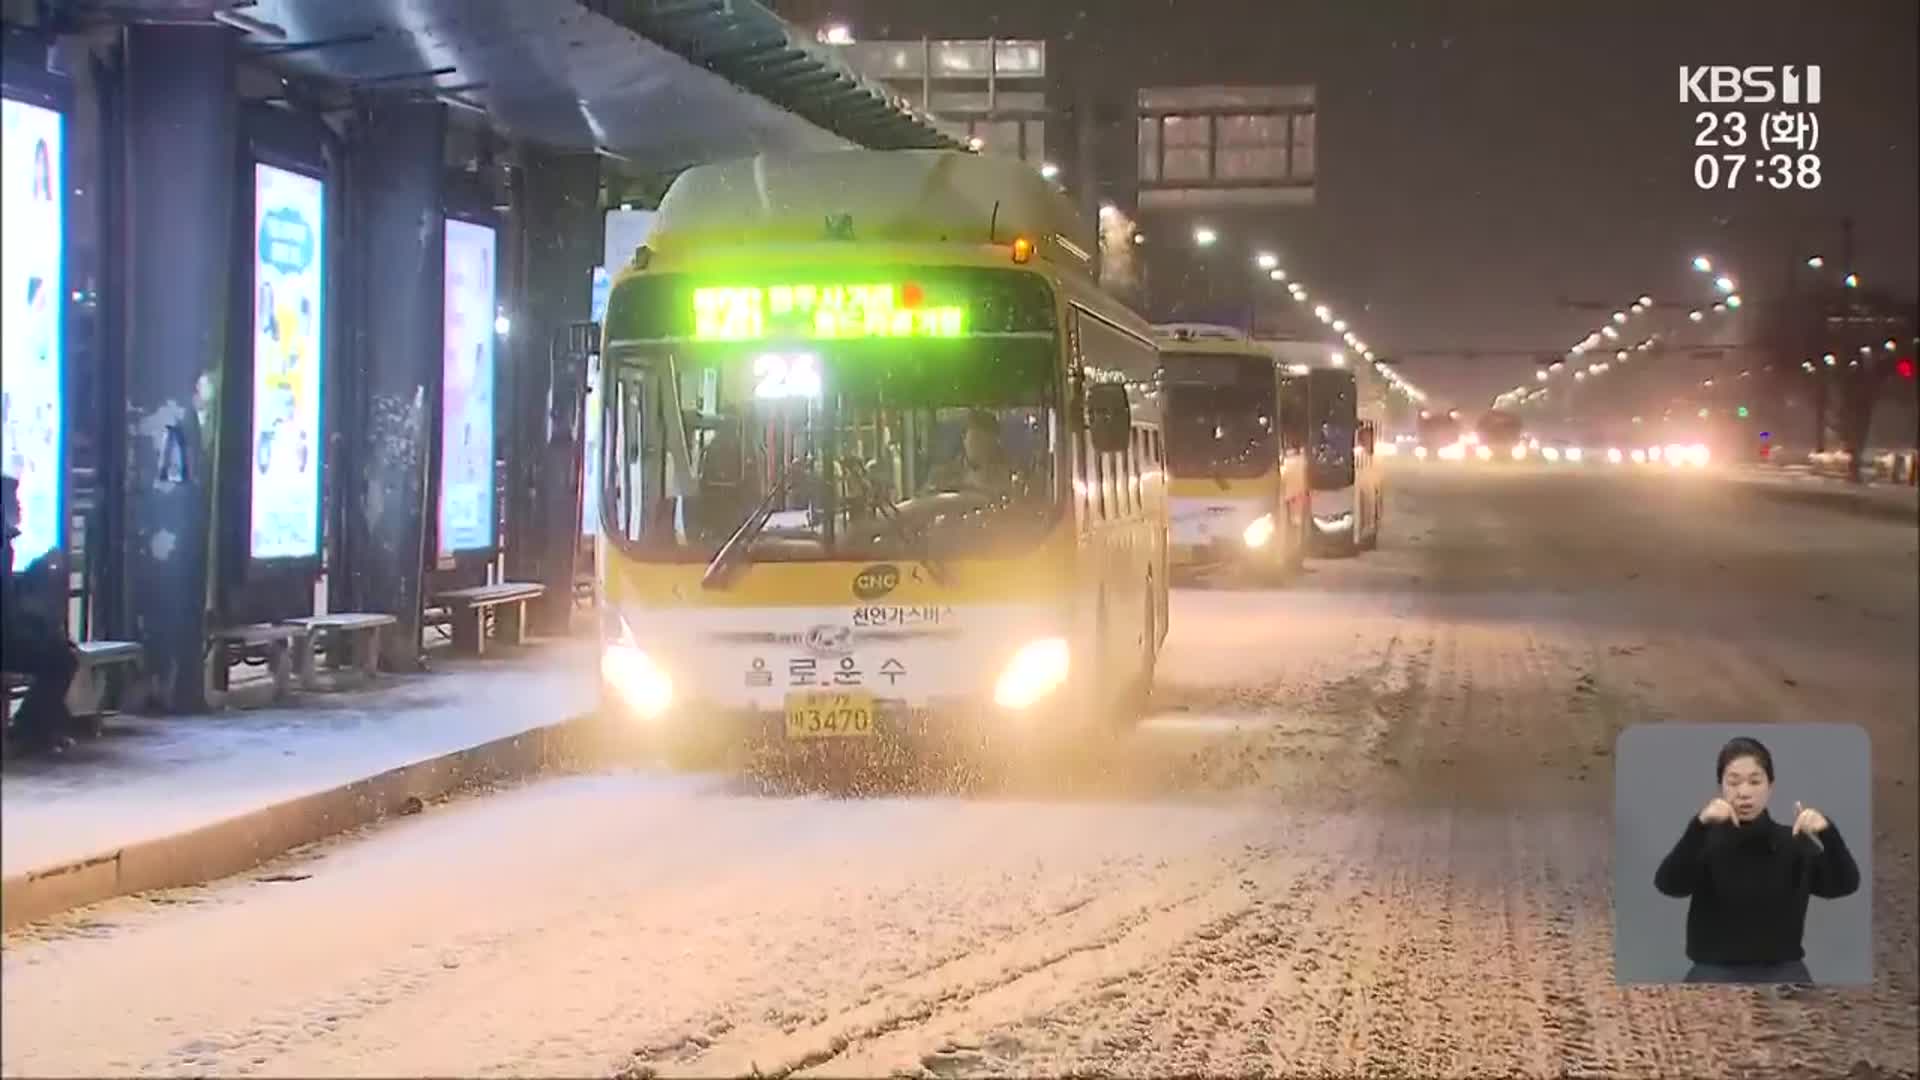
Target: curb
point(241, 843)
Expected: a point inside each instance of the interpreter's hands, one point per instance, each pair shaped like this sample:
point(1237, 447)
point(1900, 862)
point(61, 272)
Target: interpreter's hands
point(1716, 811)
point(1808, 821)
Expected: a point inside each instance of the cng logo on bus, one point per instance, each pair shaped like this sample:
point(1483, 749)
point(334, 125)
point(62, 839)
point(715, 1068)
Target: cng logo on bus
point(876, 581)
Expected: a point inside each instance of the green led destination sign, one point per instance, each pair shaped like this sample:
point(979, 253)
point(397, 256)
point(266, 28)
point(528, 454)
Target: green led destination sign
point(749, 313)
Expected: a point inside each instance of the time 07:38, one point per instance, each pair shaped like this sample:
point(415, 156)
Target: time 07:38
point(1778, 171)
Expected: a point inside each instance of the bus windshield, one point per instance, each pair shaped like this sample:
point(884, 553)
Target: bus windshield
point(1220, 416)
point(1333, 406)
point(851, 449)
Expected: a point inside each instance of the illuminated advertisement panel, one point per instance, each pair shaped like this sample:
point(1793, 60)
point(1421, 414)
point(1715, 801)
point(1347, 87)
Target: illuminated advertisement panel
point(466, 432)
point(590, 459)
point(32, 251)
point(289, 229)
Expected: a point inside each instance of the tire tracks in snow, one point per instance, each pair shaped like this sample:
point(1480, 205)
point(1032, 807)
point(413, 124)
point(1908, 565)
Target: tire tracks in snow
point(1111, 932)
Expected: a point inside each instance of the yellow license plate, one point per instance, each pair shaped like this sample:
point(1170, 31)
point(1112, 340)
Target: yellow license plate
point(829, 714)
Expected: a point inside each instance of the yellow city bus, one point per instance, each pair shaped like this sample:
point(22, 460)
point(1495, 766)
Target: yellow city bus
point(881, 462)
point(1235, 453)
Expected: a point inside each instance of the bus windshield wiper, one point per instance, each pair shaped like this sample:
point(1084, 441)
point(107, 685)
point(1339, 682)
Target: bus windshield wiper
point(921, 543)
point(735, 553)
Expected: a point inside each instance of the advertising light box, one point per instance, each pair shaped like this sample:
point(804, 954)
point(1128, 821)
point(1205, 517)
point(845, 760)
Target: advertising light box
point(32, 253)
point(466, 432)
point(289, 228)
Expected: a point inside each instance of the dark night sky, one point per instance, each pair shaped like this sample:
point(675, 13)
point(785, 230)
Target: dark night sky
point(1478, 161)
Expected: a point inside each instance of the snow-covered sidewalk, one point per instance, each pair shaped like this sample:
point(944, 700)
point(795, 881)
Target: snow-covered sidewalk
point(1880, 497)
point(149, 778)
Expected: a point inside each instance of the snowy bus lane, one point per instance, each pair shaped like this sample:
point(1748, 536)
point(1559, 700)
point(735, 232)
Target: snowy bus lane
point(1366, 830)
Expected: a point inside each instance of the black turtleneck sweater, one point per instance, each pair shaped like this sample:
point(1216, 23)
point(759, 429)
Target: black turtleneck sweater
point(1749, 886)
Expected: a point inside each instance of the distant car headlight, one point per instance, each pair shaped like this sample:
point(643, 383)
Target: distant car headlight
point(1484, 453)
point(1388, 450)
point(1551, 453)
point(1698, 455)
point(1639, 457)
point(1259, 532)
point(1575, 454)
point(1614, 456)
point(1420, 452)
point(1519, 452)
point(1038, 669)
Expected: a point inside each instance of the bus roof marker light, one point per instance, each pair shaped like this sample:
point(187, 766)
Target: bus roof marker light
point(1022, 250)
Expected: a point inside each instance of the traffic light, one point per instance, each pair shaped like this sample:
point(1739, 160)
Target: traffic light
point(1743, 412)
point(1905, 367)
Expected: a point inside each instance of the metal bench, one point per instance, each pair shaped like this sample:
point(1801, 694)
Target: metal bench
point(353, 639)
point(278, 645)
point(506, 601)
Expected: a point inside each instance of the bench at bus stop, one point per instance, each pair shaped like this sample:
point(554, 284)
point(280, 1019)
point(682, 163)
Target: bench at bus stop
point(290, 649)
point(503, 603)
point(100, 681)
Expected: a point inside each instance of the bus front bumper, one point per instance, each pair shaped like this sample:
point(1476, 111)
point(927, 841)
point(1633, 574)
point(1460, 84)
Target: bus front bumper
point(883, 727)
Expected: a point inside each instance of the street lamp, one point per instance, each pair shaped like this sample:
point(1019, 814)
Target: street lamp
point(1048, 170)
point(1695, 315)
point(1646, 301)
point(1339, 326)
point(1205, 237)
point(1619, 316)
point(1733, 301)
point(1703, 264)
point(1540, 375)
point(837, 34)
point(1267, 260)
point(1723, 283)
point(1853, 281)
point(1338, 359)
point(1323, 313)
point(1816, 262)
point(1277, 275)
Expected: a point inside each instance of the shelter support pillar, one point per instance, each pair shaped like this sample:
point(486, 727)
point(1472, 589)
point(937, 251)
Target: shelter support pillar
point(181, 123)
point(396, 235)
point(560, 243)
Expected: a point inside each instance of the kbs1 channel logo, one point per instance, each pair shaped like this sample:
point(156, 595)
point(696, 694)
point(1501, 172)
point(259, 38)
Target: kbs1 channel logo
point(1763, 84)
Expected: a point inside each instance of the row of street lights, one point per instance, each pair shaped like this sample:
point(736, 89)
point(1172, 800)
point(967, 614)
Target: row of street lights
point(1205, 237)
point(1609, 333)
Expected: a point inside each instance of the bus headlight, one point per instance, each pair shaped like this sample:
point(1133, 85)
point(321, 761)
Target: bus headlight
point(1038, 669)
point(1258, 533)
point(639, 682)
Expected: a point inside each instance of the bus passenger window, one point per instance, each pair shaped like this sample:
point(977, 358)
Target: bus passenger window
point(1135, 466)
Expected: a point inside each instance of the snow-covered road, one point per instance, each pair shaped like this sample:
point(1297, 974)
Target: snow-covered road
point(1367, 832)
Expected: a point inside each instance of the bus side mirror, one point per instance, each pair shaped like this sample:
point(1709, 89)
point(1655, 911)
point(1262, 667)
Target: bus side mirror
point(1109, 417)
